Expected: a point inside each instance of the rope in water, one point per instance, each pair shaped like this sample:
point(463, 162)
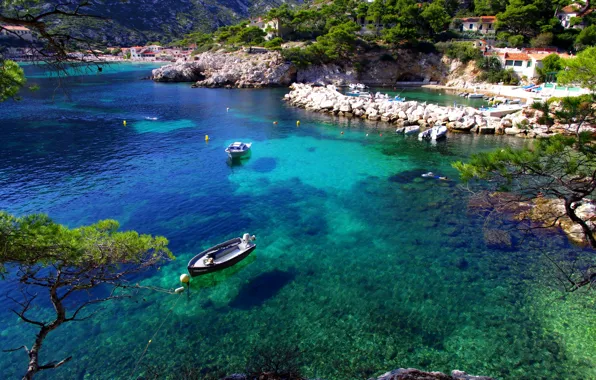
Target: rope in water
point(153, 337)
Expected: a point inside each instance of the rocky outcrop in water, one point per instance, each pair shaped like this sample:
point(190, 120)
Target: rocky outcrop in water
point(233, 70)
point(329, 100)
point(415, 374)
point(178, 72)
point(523, 123)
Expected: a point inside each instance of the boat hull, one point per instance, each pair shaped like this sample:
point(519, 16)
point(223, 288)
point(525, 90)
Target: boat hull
point(198, 271)
point(232, 154)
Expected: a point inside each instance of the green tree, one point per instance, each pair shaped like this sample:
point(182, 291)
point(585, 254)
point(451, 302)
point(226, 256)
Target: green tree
point(552, 63)
point(587, 37)
point(436, 16)
point(580, 70)
point(252, 35)
point(542, 40)
point(561, 168)
point(518, 18)
point(489, 63)
point(399, 34)
point(70, 264)
point(489, 7)
point(516, 41)
point(339, 42)
point(55, 41)
point(12, 79)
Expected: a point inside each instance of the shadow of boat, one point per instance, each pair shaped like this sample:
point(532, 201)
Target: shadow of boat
point(215, 278)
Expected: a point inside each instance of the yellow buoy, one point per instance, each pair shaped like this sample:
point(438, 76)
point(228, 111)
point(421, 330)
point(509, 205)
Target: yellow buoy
point(124, 122)
point(297, 122)
point(206, 137)
point(184, 278)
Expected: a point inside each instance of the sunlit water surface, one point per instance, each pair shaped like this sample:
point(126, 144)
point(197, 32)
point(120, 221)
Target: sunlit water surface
point(361, 263)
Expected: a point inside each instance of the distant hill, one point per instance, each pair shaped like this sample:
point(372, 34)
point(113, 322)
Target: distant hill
point(139, 21)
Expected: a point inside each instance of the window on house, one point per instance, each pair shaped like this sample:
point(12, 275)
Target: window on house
point(490, 26)
point(471, 26)
point(518, 63)
point(508, 62)
point(529, 63)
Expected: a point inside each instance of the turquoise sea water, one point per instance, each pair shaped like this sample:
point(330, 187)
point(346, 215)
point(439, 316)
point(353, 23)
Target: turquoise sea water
point(360, 262)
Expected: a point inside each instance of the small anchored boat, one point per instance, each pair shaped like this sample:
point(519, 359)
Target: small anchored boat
point(412, 129)
point(238, 149)
point(437, 132)
point(221, 256)
point(475, 96)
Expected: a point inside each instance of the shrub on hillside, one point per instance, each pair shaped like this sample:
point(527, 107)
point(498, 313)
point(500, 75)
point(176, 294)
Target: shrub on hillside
point(274, 44)
point(508, 77)
point(463, 51)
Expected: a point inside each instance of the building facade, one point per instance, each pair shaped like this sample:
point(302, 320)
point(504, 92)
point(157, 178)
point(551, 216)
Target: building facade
point(481, 24)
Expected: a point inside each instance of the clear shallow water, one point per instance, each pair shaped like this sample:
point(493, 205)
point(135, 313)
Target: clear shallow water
point(362, 263)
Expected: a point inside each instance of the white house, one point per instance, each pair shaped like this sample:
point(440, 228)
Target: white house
point(154, 48)
point(16, 31)
point(524, 62)
point(272, 27)
point(481, 24)
point(135, 52)
point(573, 10)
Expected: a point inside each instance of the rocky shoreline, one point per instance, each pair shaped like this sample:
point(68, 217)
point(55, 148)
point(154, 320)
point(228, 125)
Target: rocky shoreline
point(258, 67)
point(230, 70)
point(523, 123)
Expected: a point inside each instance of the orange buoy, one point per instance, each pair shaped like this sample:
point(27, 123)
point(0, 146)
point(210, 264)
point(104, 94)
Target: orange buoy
point(275, 122)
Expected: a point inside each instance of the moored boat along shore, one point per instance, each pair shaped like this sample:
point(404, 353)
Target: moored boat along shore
point(518, 121)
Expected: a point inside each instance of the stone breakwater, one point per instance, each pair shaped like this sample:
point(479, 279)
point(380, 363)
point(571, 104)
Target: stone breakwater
point(232, 70)
point(329, 100)
point(522, 123)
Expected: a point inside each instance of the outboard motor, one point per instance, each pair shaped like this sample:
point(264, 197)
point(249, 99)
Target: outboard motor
point(246, 238)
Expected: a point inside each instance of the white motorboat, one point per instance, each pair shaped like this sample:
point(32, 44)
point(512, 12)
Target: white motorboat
point(475, 96)
point(412, 129)
point(221, 256)
point(437, 132)
point(359, 86)
point(238, 149)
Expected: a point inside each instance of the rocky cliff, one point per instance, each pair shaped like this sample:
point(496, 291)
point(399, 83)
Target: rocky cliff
point(240, 69)
point(380, 68)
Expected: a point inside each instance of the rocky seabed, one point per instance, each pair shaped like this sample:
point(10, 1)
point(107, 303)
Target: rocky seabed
point(401, 114)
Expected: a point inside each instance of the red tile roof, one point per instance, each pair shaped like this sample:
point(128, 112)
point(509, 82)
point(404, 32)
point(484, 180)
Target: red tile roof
point(572, 8)
point(488, 19)
point(517, 56)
